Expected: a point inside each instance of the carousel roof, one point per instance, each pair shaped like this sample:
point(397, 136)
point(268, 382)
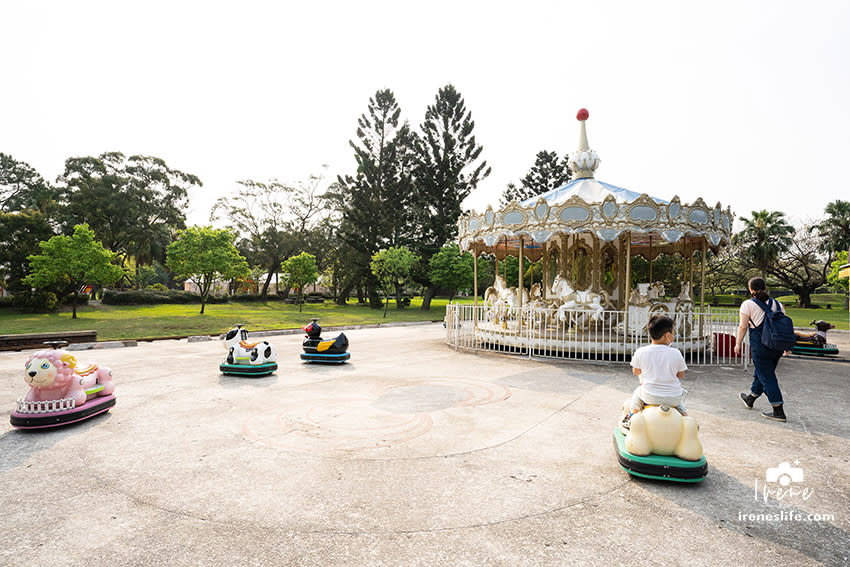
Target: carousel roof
point(589, 190)
point(584, 205)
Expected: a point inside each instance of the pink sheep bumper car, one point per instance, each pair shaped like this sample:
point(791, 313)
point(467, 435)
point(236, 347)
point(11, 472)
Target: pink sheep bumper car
point(62, 390)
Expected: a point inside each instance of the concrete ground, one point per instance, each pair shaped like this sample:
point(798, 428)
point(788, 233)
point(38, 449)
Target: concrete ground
point(415, 454)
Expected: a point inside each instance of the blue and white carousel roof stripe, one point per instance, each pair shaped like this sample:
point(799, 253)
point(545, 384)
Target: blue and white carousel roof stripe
point(585, 205)
point(589, 190)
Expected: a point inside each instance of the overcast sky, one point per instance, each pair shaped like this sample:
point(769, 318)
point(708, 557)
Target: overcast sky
point(745, 103)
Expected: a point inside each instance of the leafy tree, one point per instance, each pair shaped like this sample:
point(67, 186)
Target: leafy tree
point(836, 283)
point(835, 229)
point(450, 168)
point(451, 270)
point(300, 270)
point(392, 268)
point(548, 172)
point(259, 213)
point(203, 255)
point(22, 187)
point(135, 205)
point(800, 267)
point(73, 261)
point(763, 238)
point(375, 203)
point(22, 231)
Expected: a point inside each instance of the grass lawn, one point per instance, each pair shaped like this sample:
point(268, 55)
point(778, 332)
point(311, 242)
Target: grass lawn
point(149, 321)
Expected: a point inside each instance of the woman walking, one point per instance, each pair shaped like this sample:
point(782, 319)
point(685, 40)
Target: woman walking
point(764, 359)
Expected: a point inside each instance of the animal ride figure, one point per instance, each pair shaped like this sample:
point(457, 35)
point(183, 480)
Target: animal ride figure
point(317, 349)
point(246, 358)
point(62, 390)
point(659, 442)
point(814, 344)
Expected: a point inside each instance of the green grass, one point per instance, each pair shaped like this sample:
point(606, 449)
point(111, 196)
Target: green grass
point(152, 321)
point(114, 322)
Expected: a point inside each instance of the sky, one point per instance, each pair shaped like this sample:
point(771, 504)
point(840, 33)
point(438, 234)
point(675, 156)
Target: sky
point(745, 103)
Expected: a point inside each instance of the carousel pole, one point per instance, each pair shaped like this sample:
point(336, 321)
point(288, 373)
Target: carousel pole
point(519, 285)
point(702, 278)
point(628, 281)
point(650, 258)
point(475, 286)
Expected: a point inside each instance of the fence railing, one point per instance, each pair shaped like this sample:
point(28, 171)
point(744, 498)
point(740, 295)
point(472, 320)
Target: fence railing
point(705, 338)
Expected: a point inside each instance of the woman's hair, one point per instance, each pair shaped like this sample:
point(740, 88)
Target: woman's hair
point(759, 288)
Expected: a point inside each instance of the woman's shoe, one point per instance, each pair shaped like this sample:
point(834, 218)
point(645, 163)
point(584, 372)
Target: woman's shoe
point(778, 414)
point(748, 399)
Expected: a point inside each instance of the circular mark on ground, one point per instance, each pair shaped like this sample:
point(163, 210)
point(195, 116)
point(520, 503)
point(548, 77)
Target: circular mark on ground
point(423, 398)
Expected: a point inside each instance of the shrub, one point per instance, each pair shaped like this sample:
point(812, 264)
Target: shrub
point(149, 297)
point(38, 302)
point(82, 299)
point(157, 287)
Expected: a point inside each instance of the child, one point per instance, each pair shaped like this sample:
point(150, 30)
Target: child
point(660, 367)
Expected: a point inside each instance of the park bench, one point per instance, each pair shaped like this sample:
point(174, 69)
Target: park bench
point(34, 340)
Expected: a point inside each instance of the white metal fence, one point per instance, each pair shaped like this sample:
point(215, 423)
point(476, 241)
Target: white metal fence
point(705, 338)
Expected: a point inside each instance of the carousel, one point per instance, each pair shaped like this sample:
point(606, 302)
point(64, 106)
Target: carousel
point(585, 235)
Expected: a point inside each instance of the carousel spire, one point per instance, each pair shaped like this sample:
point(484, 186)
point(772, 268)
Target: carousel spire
point(584, 161)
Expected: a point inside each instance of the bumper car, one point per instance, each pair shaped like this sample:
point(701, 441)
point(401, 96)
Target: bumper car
point(317, 349)
point(62, 390)
point(659, 443)
point(814, 344)
point(245, 358)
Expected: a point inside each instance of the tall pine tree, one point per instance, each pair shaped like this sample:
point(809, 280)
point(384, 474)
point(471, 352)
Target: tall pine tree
point(449, 170)
point(548, 172)
point(377, 203)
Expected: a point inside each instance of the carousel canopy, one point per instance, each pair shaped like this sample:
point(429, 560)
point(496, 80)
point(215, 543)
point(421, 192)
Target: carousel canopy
point(584, 205)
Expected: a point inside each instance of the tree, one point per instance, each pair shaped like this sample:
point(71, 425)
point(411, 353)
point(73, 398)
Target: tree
point(450, 168)
point(259, 215)
point(837, 283)
point(392, 267)
point(72, 262)
point(299, 271)
point(375, 204)
point(135, 205)
point(22, 187)
point(835, 229)
point(763, 238)
point(22, 232)
point(800, 266)
point(451, 270)
point(204, 255)
point(548, 172)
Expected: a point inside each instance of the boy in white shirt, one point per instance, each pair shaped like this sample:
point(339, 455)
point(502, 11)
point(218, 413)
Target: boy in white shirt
point(660, 369)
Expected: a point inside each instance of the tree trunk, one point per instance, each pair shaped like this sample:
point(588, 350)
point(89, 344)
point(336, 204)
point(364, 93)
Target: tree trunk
point(342, 298)
point(268, 282)
point(398, 304)
point(430, 292)
point(74, 306)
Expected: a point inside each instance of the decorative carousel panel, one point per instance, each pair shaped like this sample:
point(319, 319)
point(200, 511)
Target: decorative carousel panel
point(541, 210)
point(717, 213)
point(609, 208)
point(541, 235)
point(489, 217)
point(698, 217)
point(575, 214)
point(672, 235)
point(608, 234)
point(474, 225)
point(513, 218)
point(674, 209)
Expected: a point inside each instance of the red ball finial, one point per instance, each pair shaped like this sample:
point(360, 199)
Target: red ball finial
point(583, 114)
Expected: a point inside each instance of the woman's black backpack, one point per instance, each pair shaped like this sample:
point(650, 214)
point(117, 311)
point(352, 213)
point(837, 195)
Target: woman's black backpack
point(777, 332)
